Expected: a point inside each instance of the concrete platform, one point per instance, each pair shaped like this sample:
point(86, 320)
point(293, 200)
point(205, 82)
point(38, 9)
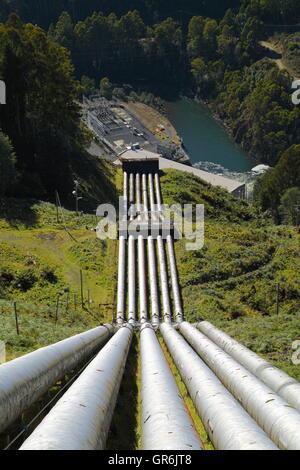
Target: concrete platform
point(234, 187)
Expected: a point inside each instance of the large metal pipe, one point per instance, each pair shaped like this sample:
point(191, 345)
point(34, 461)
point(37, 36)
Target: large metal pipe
point(283, 384)
point(131, 259)
point(166, 424)
point(125, 194)
point(151, 197)
point(81, 418)
point(25, 379)
point(278, 419)
point(131, 280)
point(153, 281)
point(121, 280)
point(141, 259)
point(122, 258)
point(174, 280)
point(151, 258)
point(157, 191)
point(172, 259)
point(142, 280)
point(228, 425)
point(138, 194)
point(131, 195)
point(167, 313)
point(145, 196)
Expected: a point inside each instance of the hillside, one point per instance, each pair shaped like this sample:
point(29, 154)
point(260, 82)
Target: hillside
point(40, 258)
point(232, 281)
point(288, 46)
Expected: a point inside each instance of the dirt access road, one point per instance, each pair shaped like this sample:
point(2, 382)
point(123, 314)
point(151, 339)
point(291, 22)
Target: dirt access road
point(276, 56)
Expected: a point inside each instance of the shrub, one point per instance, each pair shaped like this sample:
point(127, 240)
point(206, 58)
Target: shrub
point(48, 274)
point(25, 280)
point(6, 276)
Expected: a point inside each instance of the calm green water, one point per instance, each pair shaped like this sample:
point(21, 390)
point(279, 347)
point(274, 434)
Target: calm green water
point(206, 141)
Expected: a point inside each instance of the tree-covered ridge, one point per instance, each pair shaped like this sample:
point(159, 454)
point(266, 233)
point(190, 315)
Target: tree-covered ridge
point(221, 61)
point(43, 12)
point(247, 91)
point(279, 188)
point(251, 94)
point(246, 264)
point(273, 11)
point(41, 117)
point(125, 49)
point(289, 47)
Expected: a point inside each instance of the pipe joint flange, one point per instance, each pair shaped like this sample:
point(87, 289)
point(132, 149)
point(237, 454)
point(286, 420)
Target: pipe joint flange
point(145, 326)
point(106, 325)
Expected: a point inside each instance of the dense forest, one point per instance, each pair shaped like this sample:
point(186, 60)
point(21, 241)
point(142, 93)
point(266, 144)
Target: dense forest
point(158, 47)
point(40, 123)
point(44, 12)
point(222, 62)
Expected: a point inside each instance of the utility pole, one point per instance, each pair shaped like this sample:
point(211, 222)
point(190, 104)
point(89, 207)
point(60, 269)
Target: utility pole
point(16, 317)
point(67, 291)
point(57, 307)
point(81, 289)
point(277, 300)
point(57, 203)
point(77, 197)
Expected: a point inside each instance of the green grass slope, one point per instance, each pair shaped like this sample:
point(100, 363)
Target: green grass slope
point(40, 258)
point(233, 281)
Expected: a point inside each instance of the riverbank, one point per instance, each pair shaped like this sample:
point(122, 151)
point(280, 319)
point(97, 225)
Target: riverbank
point(206, 138)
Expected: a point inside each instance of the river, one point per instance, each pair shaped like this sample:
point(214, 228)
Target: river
point(206, 141)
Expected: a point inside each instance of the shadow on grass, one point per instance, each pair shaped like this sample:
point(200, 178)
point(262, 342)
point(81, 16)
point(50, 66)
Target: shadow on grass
point(123, 434)
point(96, 178)
point(271, 54)
point(18, 211)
